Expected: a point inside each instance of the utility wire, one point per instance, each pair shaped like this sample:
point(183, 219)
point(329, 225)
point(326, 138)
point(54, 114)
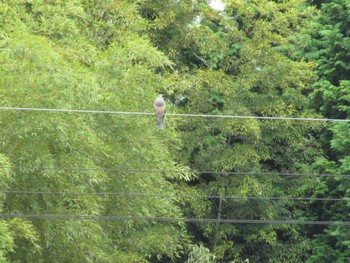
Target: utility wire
point(164, 219)
point(175, 114)
point(14, 192)
point(169, 171)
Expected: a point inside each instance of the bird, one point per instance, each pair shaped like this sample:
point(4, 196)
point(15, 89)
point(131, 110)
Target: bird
point(159, 108)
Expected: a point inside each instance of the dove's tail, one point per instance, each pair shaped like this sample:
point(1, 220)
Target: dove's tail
point(160, 122)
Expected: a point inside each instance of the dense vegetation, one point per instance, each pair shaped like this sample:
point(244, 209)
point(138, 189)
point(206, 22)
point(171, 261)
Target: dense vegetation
point(256, 58)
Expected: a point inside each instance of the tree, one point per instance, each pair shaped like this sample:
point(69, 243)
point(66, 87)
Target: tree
point(243, 63)
point(15, 232)
point(6, 235)
point(67, 54)
point(328, 46)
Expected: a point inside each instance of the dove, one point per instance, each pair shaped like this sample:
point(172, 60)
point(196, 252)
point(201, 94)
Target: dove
point(159, 108)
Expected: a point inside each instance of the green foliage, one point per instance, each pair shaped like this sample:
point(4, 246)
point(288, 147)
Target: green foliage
point(330, 96)
point(170, 22)
point(14, 232)
point(26, 238)
point(332, 41)
point(332, 245)
point(244, 64)
point(6, 235)
point(199, 253)
point(117, 56)
point(79, 55)
point(6, 241)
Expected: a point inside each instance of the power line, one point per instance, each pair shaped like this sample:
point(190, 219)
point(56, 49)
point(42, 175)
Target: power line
point(174, 196)
point(176, 114)
point(165, 219)
point(115, 169)
point(76, 111)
